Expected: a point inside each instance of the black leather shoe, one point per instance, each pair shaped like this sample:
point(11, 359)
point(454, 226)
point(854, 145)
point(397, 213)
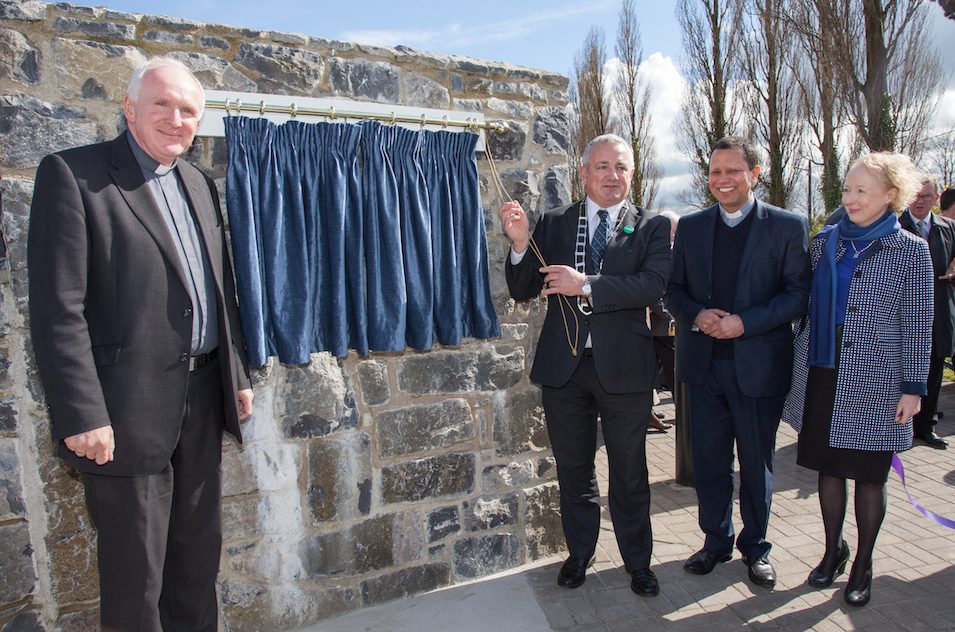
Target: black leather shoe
point(761, 571)
point(704, 561)
point(655, 422)
point(644, 583)
point(933, 440)
point(574, 572)
point(859, 589)
point(821, 577)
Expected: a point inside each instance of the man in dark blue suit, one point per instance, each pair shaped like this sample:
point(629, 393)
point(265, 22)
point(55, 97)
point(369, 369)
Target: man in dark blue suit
point(740, 277)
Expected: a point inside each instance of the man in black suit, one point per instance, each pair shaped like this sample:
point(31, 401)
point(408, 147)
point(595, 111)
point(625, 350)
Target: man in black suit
point(601, 262)
point(139, 348)
point(740, 276)
point(939, 232)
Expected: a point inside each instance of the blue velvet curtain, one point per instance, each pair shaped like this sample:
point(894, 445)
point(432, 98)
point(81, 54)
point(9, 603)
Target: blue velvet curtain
point(355, 236)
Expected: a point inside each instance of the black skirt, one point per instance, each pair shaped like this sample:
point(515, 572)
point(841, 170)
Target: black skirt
point(814, 451)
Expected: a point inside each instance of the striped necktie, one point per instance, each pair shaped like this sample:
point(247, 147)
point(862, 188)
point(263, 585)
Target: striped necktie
point(598, 245)
point(923, 229)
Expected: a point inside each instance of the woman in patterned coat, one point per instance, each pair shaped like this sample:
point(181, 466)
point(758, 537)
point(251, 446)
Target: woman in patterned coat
point(861, 364)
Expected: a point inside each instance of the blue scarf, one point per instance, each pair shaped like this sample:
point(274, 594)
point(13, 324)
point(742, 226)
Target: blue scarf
point(822, 311)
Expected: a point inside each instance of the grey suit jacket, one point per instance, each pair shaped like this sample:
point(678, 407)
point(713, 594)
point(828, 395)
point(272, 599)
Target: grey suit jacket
point(110, 316)
point(941, 246)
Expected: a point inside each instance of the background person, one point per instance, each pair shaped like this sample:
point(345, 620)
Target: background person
point(862, 359)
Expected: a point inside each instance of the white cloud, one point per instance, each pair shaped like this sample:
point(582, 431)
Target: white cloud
point(473, 33)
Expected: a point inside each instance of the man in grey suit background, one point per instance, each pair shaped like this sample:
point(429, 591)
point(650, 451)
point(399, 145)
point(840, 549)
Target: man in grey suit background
point(606, 262)
point(138, 344)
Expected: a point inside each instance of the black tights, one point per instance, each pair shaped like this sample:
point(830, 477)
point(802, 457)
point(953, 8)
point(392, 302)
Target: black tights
point(870, 504)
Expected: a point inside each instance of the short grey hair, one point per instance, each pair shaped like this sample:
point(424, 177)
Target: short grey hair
point(155, 63)
point(606, 138)
point(929, 178)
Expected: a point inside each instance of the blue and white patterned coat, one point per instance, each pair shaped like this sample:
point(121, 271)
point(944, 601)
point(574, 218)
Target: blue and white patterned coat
point(886, 341)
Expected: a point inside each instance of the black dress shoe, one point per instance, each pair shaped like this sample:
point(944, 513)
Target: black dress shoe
point(933, 440)
point(859, 589)
point(821, 577)
point(644, 583)
point(761, 571)
point(656, 422)
point(704, 561)
point(574, 572)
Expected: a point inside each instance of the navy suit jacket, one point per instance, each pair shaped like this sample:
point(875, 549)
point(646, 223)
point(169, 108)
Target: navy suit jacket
point(633, 277)
point(941, 245)
point(771, 291)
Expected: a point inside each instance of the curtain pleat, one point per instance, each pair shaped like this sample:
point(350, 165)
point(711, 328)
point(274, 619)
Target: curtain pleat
point(355, 236)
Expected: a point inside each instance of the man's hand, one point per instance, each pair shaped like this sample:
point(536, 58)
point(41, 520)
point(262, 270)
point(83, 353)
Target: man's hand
point(562, 280)
point(728, 327)
point(908, 406)
point(949, 272)
point(244, 400)
point(96, 445)
point(708, 319)
point(516, 225)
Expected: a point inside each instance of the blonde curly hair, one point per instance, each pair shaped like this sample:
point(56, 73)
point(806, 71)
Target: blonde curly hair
point(894, 171)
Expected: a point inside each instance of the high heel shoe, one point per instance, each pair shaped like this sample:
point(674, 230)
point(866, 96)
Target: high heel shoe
point(821, 577)
point(859, 596)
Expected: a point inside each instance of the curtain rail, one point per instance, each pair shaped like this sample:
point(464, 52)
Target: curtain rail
point(237, 107)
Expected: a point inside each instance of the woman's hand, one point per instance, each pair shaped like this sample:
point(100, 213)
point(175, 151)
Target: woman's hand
point(908, 406)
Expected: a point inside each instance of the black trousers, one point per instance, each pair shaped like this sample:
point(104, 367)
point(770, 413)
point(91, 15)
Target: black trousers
point(571, 413)
point(924, 422)
point(663, 346)
point(159, 536)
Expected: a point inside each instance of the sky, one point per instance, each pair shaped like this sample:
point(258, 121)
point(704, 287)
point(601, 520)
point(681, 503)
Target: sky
point(534, 33)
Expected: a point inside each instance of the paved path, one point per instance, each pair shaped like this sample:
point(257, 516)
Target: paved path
point(914, 586)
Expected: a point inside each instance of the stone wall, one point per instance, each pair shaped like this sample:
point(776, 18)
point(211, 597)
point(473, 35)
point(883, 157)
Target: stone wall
point(363, 479)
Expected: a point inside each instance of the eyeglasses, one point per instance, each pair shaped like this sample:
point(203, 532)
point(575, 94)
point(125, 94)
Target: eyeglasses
point(924, 197)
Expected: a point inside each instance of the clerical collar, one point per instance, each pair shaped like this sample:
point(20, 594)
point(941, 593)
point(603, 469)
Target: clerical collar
point(739, 214)
point(146, 162)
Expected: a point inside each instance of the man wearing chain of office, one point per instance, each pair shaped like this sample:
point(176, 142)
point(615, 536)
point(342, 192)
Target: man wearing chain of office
point(600, 262)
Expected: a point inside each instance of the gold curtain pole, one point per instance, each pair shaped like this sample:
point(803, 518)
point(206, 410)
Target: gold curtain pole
point(237, 107)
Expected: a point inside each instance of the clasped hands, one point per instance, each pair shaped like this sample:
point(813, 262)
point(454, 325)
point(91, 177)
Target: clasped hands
point(719, 324)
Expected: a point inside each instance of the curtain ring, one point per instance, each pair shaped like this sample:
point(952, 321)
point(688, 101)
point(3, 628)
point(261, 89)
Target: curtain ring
point(262, 108)
point(238, 107)
point(424, 120)
point(393, 119)
point(228, 104)
point(331, 113)
point(292, 110)
point(445, 119)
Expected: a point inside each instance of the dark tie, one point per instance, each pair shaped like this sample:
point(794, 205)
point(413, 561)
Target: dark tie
point(598, 246)
point(923, 229)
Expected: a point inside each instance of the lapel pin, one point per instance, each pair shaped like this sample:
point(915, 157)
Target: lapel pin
point(627, 230)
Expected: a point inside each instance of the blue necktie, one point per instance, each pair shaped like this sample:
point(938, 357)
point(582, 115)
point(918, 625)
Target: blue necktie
point(598, 245)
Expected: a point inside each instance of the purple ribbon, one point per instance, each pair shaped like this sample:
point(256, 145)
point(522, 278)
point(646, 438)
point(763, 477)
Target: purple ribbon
point(900, 470)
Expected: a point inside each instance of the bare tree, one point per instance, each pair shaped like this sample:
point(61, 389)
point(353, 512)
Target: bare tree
point(710, 66)
point(943, 157)
point(890, 73)
point(590, 99)
point(633, 100)
point(770, 94)
point(815, 72)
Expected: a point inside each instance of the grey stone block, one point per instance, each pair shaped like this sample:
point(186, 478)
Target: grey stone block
point(281, 69)
point(363, 79)
point(489, 513)
point(24, 621)
point(424, 92)
point(365, 547)
point(11, 493)
point(513, 109)
point(419, 428)
point(522, 185)
point(542, 525)
point(443, 522)
point(172, 24)
point(552, 130)
point(484, 555)
point(208, 41)
point(21, 56)
point(406, 582)
point(30, 129)
point(269, 605)
point(105, 30)
point(373, 380)
point(215, 73)
point(26, 10)
point(318, 399)
point(519, 423)
point(18, 576)
point(489, 369)
point(293, 39)
point(468, 105)
point(175, 39)
point(432, 477)
point(87, 69)
point(8, 415)
point(556, 190)
point(508, 144)
point(518, 474)
point(339, 477)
